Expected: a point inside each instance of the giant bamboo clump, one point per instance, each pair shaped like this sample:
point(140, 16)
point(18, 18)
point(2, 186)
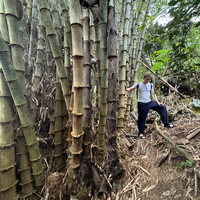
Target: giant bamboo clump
point(122, 74)
point(23, 113)
point(7, 146)
point(104, 75)
point(78, 83)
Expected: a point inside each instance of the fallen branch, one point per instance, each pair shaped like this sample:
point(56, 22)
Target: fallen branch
point(187, 156)
point(193, 134)
point(164, 81)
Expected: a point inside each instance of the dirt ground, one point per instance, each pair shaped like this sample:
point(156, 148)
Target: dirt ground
point(141, 179)
point(169, 181)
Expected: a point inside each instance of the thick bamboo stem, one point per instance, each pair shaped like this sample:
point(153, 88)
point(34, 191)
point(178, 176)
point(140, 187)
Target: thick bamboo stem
point(33, 36)
point(78, 84)
point(87, 84)
point(140, 45)
point(67, 61)
point(7, 146)
point(58, 116)
point(17, 58)
point(122, 73)
point(57, 54)
point(22, 109)
point(104, 75)
point(39, 58)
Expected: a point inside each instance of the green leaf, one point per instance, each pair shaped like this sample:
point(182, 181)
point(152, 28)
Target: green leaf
point(189, 163)
point(196, 102)
point(157, 65)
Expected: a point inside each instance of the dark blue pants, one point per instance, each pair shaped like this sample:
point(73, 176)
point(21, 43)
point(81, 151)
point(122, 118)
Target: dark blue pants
point(143, 109)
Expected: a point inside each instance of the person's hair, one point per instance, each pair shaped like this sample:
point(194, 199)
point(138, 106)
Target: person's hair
point(148, 76)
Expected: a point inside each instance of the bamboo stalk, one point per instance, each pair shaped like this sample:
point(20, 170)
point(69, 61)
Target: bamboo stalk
point(78, 84)
point(7, 146)
point(140, 45)
point(67, 61)
point(122, 73)
point(39, 58)
point(57, 54)
point(58, 115)
point(33, 34)
point(22, 109)
point(24, 170)
point(87, 83)
point(104, 75)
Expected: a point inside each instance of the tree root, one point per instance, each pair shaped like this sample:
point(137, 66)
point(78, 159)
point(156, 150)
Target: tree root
point(187, 156)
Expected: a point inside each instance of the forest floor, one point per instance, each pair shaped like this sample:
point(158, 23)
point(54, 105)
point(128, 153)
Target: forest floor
point(174, 179)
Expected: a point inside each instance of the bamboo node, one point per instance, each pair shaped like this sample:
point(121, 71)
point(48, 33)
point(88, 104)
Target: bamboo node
point(77, 152)
point(76, 136)
point(35, 159)
point(15, 183)
point(21, 170)
point(7, 146)
point(26, 183)
point(7, 168)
